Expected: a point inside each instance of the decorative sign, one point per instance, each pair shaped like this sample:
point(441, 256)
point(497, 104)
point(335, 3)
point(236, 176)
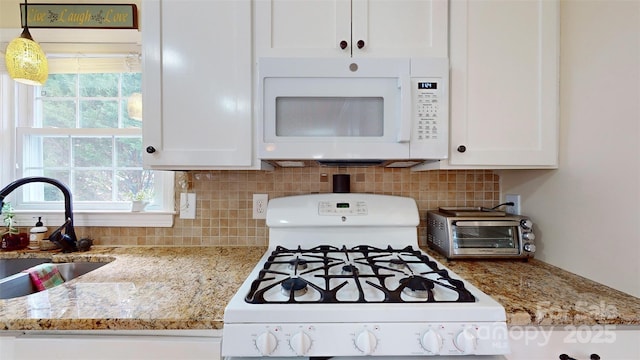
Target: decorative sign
point(81, 16)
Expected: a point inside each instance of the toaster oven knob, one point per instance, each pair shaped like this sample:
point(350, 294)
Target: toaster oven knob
point(526, 223)
point(366, 342)
point(466, 341)
point(266, 343)
point(529, 236)
point(432, 341)
point(300, 343)
point(529, 248)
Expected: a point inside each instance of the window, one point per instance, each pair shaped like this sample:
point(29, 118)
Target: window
point(79, 128)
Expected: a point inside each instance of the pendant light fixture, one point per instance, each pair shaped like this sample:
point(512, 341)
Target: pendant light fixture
point(24, 58)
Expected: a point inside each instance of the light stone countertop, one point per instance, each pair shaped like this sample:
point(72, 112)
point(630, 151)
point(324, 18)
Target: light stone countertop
point(536, 293)
point(171, 288)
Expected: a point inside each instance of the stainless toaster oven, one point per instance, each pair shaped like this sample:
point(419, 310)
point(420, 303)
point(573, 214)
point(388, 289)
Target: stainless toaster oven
point(479, 233)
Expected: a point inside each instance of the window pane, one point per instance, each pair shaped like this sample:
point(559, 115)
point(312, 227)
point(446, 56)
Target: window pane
point(132, 182)
point(52, 193)
point(60, 85)
point(128, 152)
point(59, 113)
point(131, 83)
point(103, 169)
point(93, 185)
point(98, 113)
point(99, 85)
point(56, 151)
point(92, 152)
point(128, 122)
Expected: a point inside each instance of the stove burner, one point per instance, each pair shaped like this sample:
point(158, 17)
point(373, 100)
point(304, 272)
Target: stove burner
point(349, 269)
point(295, 285)
point(297, 264)
point(360, 274)
point(417, 287)
point(397, 264)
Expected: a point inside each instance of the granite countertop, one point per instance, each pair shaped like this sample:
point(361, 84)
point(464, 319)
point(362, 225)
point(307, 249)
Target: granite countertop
point(170, 288)
point(536, 293)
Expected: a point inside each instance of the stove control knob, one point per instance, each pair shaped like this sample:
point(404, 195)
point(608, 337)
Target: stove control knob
point(528, 236)
point(266, 343)
point(366, 342)
point(432, 341)
point(526, 223)
point(529, 247)
point(300, 343)
point(466, 341)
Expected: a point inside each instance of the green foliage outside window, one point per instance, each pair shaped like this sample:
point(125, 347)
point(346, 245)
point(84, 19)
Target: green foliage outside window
point(96, 167)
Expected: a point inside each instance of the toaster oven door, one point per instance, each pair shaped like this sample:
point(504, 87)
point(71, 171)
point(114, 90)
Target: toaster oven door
point(485, 237)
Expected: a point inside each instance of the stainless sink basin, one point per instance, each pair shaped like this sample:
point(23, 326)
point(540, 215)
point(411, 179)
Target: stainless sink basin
point(20, 284)
point(10, 267)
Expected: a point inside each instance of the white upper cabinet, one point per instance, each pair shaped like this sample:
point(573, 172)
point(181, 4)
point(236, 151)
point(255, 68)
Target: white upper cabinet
point(197, 84)
point(329, 28)
point(504, 84)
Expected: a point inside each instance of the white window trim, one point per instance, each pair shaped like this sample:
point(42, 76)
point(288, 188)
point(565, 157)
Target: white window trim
point(26, 218)
point(53, 219)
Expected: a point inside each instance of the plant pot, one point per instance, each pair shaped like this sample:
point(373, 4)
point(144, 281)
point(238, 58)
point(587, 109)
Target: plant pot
point(14, 241)
point(138, 205)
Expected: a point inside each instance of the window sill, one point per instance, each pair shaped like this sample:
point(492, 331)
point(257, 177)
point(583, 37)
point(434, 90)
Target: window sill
point(53, 219)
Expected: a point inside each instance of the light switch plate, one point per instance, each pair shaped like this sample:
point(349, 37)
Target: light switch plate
point(187, 205)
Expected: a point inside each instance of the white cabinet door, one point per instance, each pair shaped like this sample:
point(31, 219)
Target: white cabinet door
point(302, 27)
point(504, 83)
point(325, 28)
point(403, 28)
point(577, 341)
point(197, 84)
point(115, 347)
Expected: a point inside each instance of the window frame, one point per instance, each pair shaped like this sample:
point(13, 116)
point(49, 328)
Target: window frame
point(14, 121)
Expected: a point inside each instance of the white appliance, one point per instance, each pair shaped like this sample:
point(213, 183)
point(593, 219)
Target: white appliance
point(343, 276)
point(353, 109)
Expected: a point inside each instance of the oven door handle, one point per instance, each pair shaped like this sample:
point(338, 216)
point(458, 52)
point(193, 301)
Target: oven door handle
point(485, 223)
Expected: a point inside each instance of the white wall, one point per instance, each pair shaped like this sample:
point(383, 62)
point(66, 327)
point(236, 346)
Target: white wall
point(587, 213)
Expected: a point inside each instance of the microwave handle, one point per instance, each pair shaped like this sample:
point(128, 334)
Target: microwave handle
point(404, 132)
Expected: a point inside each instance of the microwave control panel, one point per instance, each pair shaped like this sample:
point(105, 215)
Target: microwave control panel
point(427, 125)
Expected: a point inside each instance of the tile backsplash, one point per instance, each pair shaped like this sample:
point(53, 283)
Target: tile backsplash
point(224, 200)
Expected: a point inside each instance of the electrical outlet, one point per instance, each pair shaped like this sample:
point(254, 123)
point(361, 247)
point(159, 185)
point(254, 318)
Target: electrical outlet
point(260, 206)
point(187, 205)
point(515, 199)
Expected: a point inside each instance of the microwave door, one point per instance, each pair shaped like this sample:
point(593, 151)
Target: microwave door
point(331, 118)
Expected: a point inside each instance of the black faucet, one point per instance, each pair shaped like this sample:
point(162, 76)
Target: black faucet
point(66, 241)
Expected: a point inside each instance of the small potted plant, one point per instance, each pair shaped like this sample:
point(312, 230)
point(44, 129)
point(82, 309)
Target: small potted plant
point(140, 199)
point(12, 239)
point(138, 188)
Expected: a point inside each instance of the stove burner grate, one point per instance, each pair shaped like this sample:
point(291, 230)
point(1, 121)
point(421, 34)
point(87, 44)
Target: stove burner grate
point(365, 266)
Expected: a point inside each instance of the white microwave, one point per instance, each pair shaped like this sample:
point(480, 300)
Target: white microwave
point(353, 109)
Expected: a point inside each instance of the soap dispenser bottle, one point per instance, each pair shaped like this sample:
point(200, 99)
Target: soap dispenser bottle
point(37, 234)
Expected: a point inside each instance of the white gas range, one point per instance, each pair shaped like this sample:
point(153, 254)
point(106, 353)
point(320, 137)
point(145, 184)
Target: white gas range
point(344, 277)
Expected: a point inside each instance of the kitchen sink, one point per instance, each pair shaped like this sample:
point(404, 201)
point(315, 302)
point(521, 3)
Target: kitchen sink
point(20, 284)
point(10, 267)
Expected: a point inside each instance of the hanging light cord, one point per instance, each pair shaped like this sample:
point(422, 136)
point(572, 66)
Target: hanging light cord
point(25, 32)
